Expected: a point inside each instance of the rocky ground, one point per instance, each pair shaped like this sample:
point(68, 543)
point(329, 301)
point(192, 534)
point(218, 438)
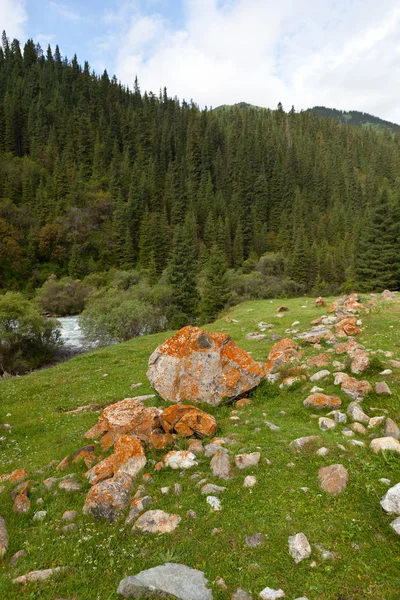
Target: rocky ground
point(282, 482)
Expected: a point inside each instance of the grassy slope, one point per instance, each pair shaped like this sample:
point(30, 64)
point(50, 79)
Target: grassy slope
point(99, 554)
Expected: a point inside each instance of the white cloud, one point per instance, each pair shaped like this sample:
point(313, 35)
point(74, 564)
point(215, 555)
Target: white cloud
point(13, 18)
point(65, 11)
point(343, 54)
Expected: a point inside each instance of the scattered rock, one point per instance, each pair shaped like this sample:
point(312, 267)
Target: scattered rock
point(180, 459)
point(107, 499)
point(382, 388)
point(187, 421)
point(21, 504)
point(37, 575)
point(270, 594)
point(16, 557)
point(244, 461)
point(320, 375)
point(305, 443)
point(396, 525)
point(240, 594)
point(129, 456)
point(356, 413)
point(333, 479)
point(249, 481)
point(138, 506)
point(322, 451)
point(385, 443)
point(376, 422)
point(40, 515)
point(255, 336)
point(353, 387)
point(196, 447)
point(322, 360)
point(220, 465)
point(325, 423)
point(211, 488)
point(358, 428)
point(157, 521)
point(391, 429)
point(320, 302)
point(85, 452)
point(255, 540)
point(50, 482)
point(196, 365)
point(243, 402)
point(70, 486)
point(3, 537)
point(171, 579)
point(282, 353)
point(360, 362)
point(299, 547)
point(64, 464)
point(391, 500)
point(69, 515)
point(214, 502)
point(320, 401)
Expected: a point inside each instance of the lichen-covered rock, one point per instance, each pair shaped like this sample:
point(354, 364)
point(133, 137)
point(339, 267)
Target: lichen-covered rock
point(281, 354)
point(180, 459)
point(157, 521)
point(347, 326)
point(103, 470)
point(86, 451)
point(320, 361)
point(199, 366)
point(360, 362)
point(137, 507)
point(320, 302)
point(244, 461)
point(129, 456)
point(220, 465)
point(159, 439)
point(333, 479)
point(320, 401)
point(170, 579)
point(353, 387)
point(107, 499)
point(187, 421)
point(131, 416)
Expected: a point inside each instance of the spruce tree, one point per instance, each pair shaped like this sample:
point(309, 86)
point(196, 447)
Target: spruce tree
point(217, 289)
point(182, 278)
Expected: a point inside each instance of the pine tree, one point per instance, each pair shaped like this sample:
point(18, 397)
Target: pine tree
point(217, 289)
point(182, 278)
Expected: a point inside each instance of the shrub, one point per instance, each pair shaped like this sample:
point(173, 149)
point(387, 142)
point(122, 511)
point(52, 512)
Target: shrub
point(117, 316)
point(62, 297)
point(27, 340)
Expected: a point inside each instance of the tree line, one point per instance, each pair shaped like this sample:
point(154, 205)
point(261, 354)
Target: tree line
point(97, 176)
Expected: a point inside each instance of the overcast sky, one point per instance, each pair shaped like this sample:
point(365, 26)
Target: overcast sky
point(343, 53)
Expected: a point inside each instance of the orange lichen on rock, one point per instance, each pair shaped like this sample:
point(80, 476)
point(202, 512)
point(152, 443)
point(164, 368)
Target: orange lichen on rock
point(281, 354)
point(322, 360)
point(129, 455)
point(18, 475)
point(196, 365)
point(188, 421)
point(131, 416)
point(160, 440)
point(322, 401)
point(103, 470)
point(86, 451)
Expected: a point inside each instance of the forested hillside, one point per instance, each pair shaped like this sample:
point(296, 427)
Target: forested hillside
point(95, 176)
point(355, 117)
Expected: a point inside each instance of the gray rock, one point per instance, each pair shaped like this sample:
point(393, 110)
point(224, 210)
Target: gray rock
point(40, 515)
point(270, 594)
point(299, 547)
point(214, 502)
point(16, 557)
point(320, 375)
point(382, 388)
point(171, 579)
point(391, 429)
point(211, 488)
point(157, 521)
point(212, 449)
point(396, 525)
point(252, 541)
point(249, 481)
point(357, 414)
point(137, 507)
point(244, 461)
point(107, 499)
point(37, 575)
point(325, 423)
point(255, 336)
point(220, 465)
point(305, 443)
point(385, 443)
point(391, 500)
point(70, 515)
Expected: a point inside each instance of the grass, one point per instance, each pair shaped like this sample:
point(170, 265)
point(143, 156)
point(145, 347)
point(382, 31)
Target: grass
point(99, 554)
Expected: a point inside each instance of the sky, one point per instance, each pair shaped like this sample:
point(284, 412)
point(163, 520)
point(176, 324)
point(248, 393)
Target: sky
point(342, 54)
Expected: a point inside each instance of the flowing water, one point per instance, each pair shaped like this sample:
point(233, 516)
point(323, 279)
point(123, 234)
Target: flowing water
point(71, 333)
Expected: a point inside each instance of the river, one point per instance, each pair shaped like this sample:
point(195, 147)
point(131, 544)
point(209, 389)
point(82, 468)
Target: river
point(72, 335)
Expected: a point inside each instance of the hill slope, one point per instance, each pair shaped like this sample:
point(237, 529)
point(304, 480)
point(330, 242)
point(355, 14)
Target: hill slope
point(285, 500)
point(355, 117)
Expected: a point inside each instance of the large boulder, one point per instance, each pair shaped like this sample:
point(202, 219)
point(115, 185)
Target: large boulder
point(170, 579)
point(107, 499)
point(199, 366)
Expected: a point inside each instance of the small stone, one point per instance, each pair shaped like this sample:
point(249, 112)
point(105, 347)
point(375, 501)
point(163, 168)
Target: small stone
point(357, 443)
point(37, 575)
point(272, 426)
point(391, 429)
point(333, 479)
point(16, 557)
point(220, 582)
point(396, 525)
point(180, 459)
point(196, 447)
point(322, 451)
point(375, 422)
point(157, 521)
point(40, 515)
point(320, 375)
point(165, 491)
point(358, 428)
point(211, 449)
point(320, 401)
point(382, 388)
point(384, 480)
point(214, 502)
point(270, 594)
point(305, 443)
point(22, 504)
point(391, 500)
point(137, 507)
point(220, 465)
point(249, 481)
point(70, 486)
point(191, 514)
point(385, 443)
point(3, 537)
point(211, 488)
point(50, 482)
point(255, 540)
point(325, 424)
point(177, 489)
point(69, 528)
point(386, 372)
point(299, 547)
point(64, 464)
point(108, 498)
point(357, 414)
point(316, 389)
point(338, 416)
point(69, 515)
point(244, 461)
point(39, 501)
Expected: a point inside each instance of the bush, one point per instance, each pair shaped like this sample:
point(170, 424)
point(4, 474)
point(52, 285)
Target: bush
point(62, 297)
point(116, 316)
point(27, 340)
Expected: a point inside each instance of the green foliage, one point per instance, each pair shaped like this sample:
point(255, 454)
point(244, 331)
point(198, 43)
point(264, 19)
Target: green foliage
point(27, 340)
point(217, 290)
point(62, 297)
point(182, 276)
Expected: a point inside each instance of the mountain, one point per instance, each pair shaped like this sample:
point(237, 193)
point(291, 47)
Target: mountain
point(355, 117)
